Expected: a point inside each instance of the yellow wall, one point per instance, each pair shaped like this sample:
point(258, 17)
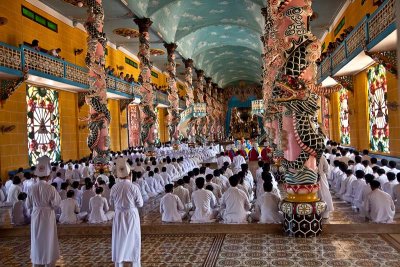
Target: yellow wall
point(14, 145)
point(113, 106)
point(124, 131)
point(68, 110)
point(83, 131)
point(394, 115)
point(163, 125)
point(354, 13)
point(335, 124)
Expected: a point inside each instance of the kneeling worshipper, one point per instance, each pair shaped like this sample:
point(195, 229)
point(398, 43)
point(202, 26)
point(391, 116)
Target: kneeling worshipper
point(204, 203)
point(70, 212)
point(171, 207)
point(183, 194)
point(125, 197)
point(99, 209)
point(42, 200)
point(19, 212)
point(266, 208)
point(235, 204)
point(379, 205)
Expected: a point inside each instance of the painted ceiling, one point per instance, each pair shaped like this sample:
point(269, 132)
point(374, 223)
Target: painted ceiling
point(221, 36)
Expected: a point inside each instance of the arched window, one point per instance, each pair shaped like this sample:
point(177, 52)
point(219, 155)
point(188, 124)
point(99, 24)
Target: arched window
point(378, 111)
point(43, 123)
point(344, 117)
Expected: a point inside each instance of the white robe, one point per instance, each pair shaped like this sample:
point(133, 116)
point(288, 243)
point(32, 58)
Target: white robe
point(126, 242)
point(13, 193)
point(86, 196)
point(379, 207)
point(69, 210)
point(183, 194)
point(237, 163)
point(44, 241)
point(267, 208)
point(98, 207)
point(357, 192)
point(203, 203)
point(171, 208)
point(235, 206)
point(324, 193)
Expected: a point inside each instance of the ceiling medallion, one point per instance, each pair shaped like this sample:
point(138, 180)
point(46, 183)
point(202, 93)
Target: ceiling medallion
point(126, 32)
point(3, 21)
point(156, 52)
point(78, 3)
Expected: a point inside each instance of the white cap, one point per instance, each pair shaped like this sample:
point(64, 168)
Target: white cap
point(43, 166)
point(123, 168)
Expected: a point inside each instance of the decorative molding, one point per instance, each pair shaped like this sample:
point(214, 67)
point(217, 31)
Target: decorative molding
point(8, 87)
point(123, 103)
point(346, 81)
point(387, 58)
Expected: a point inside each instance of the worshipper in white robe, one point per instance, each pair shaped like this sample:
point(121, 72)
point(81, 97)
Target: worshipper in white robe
point(171, 207)
point(352, 185)
point(8, 184)
point(86, 196)
point(392, 166)
point(14, 190)
point(3, 197)
point(357, 191)
point(154, 185)
point(70, 212)
point(221, 180)
point(220, 160)
point(384, 163)
point(126, 199)
point(166, 177)
point(183, 194)
point(77, 192)
point(102, 176)
point(396, 196)
point(19, 212)
point(365, 192)
point(143, 186)
point(237, 162)
point(244, 185)
point(42, 201)
point(388, 187)
point(228, 172)
point(216, 188)
point(379, 205)
point(346, 184)
point(382, 178)
point(26, 185)
point(99, 209)
point(324, 193)
point(340, 177)
point(334, 172)
point(63, 191)
point(203, 202)
point(159, 178)
point(58, 180)
point(266, 208)
point(235, 204)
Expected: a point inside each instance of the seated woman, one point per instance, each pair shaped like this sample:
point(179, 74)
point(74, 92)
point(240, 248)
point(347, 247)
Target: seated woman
point(70, 210)
point(99, 210)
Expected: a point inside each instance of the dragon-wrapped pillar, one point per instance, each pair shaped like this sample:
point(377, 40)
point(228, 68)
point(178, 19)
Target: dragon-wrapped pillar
point(292, 52)
point(189, 95)
point(173, 97)
point(148, 115)
point(200, 122)
point(99, 119)
point(209, 118)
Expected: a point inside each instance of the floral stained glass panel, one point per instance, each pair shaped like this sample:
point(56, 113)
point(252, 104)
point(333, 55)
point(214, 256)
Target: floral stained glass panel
point(325, 115)
point(378, 110)
point(344, 117)
point(43, 123)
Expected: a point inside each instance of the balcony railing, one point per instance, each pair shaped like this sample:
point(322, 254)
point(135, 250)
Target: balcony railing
point(14, 59)
point(368, 33)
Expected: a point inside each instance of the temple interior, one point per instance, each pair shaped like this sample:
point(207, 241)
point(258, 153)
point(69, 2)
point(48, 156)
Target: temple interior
point(284, 113)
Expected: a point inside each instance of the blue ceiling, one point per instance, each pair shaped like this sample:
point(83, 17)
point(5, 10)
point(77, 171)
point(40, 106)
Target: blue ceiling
point(221, 36)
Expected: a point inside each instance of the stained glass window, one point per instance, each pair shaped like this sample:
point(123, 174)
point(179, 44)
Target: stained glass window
point(43, 123)
point(325, 115)
point(378, 111)
point(344, 117)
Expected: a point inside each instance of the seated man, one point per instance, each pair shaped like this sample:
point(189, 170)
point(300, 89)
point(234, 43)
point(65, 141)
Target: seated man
point(183, 194)
point(70, 210)
point(379, 205)
point(171, 207)
point(235, 203)
point(99, 209)
point(19, 212)
point(203, 202)
point(267, 206)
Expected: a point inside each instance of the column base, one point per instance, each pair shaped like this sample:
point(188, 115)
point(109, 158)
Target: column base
point(302, 219)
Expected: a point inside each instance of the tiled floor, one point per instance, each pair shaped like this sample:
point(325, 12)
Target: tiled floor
point(222, 250)
point(150, 214)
